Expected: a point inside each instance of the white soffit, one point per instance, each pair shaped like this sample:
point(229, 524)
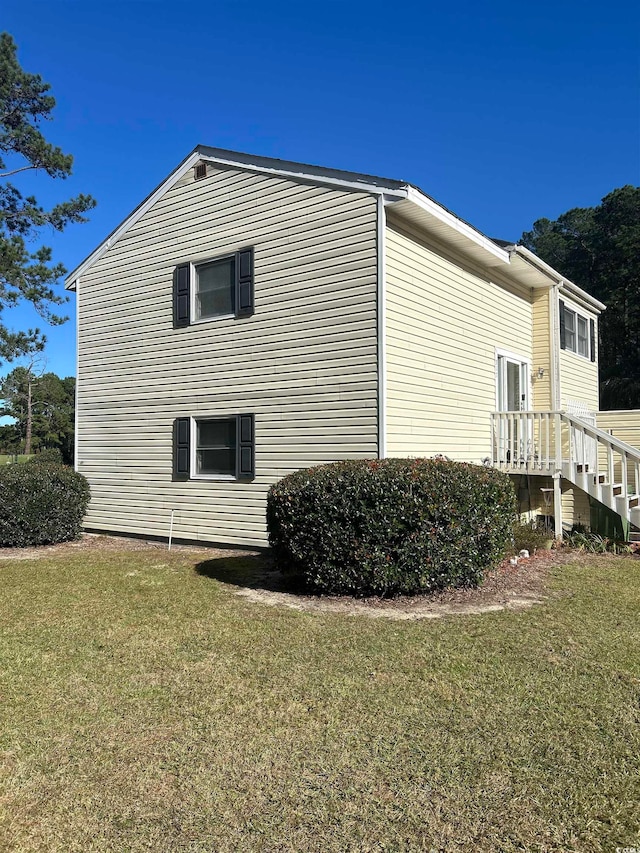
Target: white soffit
point(428, 216)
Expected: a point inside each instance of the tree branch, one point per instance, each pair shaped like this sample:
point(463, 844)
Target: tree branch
point(15, 171)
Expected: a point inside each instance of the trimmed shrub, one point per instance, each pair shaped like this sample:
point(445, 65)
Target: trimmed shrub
point(48, 456)
point(41, 504)
point(393, 526)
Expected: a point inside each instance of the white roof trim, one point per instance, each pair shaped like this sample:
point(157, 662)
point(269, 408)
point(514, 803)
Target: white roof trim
point(301, 172)
point(131, 220)
point(432, 207)
point(566, 285)
point(234, 159)
point(389, 189)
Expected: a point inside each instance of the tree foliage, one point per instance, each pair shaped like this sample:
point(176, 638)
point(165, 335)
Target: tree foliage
point(26, 273)
point(598, 248)
point(52, 412)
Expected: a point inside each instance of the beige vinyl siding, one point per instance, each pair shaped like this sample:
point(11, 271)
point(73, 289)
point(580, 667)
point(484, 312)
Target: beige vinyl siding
point(305, 363)
point(541, 351)
point(622, 424)
point(443, 324)
point(575, 503)
point(579, 375)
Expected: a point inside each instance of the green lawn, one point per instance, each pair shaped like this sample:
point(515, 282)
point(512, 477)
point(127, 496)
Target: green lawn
point(6, 459)
point(145, 706)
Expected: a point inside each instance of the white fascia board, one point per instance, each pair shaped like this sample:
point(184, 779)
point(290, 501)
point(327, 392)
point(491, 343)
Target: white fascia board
point(432, 207)
point(580, 295)
point(131, 220)
point(317, 176)
point(568, 286)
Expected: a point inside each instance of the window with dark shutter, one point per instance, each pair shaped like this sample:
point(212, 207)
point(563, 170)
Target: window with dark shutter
point(592, 329)
point(244, 288)
point(223, 448)
point(246, 446)
point(563, 332)
point(222, 287)
point(181, 448)
point(215, 289)
point(216, 447)
point(181, 295)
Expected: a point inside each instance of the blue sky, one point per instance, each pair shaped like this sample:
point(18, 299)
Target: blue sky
point(503, 112)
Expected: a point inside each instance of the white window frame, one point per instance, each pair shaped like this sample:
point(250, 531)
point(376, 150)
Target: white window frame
point(577, 313)
point(193, 474)
point(193, 282)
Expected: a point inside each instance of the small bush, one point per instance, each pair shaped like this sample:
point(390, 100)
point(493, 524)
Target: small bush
point(48, 456)
point(40, 504)
point(530, 537)
point(393, 526)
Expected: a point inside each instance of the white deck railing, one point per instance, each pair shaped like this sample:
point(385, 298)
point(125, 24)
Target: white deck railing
point(540, 442)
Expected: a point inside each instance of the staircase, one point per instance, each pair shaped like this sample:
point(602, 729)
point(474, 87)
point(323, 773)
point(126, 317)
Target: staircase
point(558, 443)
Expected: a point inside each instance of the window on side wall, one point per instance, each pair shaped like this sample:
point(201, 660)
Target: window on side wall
point(213, 288)
point(214, 448)
point(577, 332)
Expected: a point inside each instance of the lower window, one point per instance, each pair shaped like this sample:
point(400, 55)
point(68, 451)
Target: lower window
point(207, 447)
point(216, 447)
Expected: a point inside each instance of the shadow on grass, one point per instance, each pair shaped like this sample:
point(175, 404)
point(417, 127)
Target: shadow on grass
point(250, 572)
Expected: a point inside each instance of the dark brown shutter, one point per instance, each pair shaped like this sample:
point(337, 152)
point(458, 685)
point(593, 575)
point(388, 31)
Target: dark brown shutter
point(592, 330)
point(246, 446)
point(244, 283)
point(563, 334)
point(181, 295)
point(181, 448)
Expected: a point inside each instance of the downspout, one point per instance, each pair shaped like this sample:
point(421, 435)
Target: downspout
point(381, 321)
point(554, 308)
point(554, 337)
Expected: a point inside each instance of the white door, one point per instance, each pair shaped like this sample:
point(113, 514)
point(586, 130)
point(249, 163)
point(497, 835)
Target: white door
point(512, 385)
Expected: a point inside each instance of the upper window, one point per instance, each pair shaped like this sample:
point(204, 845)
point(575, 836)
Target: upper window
point(577, 332)
point(214, 288)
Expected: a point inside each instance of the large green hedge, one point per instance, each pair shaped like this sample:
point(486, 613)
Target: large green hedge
point(385, 527)
point(41, 504)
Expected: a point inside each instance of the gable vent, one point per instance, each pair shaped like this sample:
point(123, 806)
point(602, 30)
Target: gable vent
point(200, 171)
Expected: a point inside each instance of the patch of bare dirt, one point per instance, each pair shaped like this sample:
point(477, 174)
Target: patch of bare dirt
point(100, 542)
point(506, 588)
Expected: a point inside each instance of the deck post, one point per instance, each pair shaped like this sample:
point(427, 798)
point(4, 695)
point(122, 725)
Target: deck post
point(557, 505)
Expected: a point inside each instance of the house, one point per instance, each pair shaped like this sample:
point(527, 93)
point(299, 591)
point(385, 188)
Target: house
point(254, 316)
